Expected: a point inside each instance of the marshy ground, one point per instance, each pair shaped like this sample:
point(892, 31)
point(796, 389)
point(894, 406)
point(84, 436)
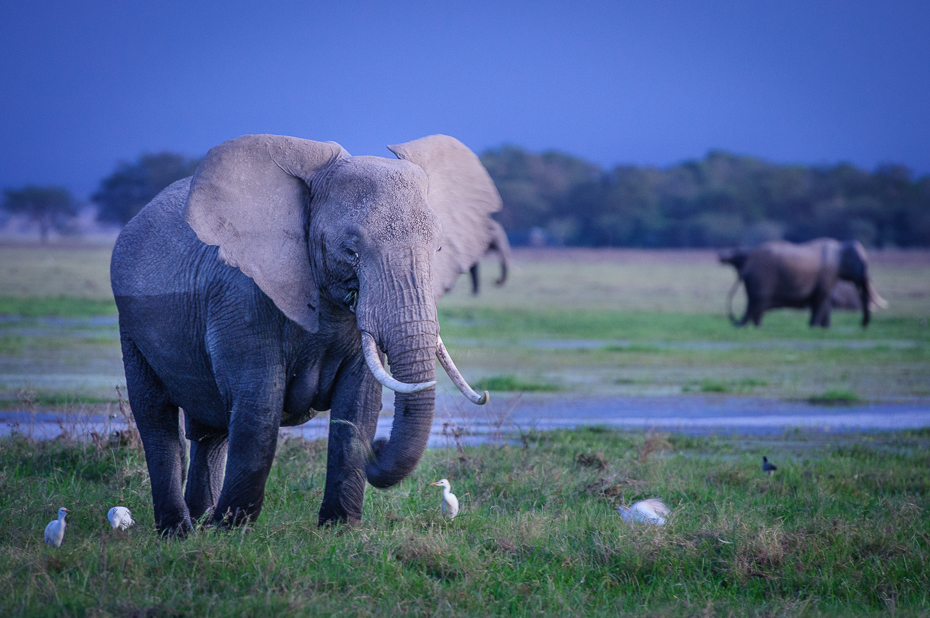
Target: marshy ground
point(842, 528)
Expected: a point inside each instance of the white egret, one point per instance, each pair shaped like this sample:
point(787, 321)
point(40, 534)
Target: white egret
point(450, 504)
point(55, 530)
point(767, 466)
point(650, 511)
point(120, 517)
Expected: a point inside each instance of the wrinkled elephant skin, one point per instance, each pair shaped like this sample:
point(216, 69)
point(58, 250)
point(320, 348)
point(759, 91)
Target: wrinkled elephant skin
point(243, 293)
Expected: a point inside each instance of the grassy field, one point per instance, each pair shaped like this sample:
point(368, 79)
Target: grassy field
point(656, 317)
point(843, 528)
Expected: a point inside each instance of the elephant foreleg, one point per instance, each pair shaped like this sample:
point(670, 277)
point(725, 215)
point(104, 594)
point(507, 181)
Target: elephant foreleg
point(820, 311)
point(205, 480)
point(250, 454)
point(354, 420)
point(253, 437)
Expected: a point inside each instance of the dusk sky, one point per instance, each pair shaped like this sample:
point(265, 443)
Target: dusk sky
point(84, 85)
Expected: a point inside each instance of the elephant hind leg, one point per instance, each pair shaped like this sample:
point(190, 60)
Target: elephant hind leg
point(157, 420)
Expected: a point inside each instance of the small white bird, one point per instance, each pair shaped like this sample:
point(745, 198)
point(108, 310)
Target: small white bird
point(649, 511)
point(450, 504)
point(55, 530)
point(120, 517)
point(767, 466)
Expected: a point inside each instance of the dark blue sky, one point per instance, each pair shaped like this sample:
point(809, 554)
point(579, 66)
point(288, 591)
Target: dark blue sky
point(86, 84)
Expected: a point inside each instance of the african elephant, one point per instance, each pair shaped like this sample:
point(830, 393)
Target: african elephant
point(268, 287)
point(498, 243)
point(783, 274)
point(845, 297)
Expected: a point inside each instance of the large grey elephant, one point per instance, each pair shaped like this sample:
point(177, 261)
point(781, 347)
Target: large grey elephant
point(499, 244)
point(267, 288)
point(783, 274)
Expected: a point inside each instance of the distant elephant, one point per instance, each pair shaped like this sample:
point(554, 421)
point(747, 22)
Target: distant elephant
point(845, 297)
point(783, 274)
point(267, 288)
point(498, 243)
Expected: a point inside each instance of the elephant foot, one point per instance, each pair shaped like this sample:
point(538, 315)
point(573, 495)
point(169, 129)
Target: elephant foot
point(233, 517)
point(327, 521)
point(176, 532)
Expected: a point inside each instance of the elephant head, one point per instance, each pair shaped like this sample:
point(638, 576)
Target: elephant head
point(854, 267)
point(326, 235)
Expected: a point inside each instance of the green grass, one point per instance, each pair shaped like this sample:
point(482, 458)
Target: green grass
point(840, 529)
point(743, 385)
point(836, 397)
point(672, 326)
point(658, 314)
point(58, 306)
point(512, 383)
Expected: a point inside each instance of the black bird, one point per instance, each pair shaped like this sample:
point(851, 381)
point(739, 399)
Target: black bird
point(768, 467)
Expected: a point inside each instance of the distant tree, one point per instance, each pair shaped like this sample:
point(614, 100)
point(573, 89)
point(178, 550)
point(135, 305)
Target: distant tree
point(535, 186)
point(49, 207)
point(123, 193)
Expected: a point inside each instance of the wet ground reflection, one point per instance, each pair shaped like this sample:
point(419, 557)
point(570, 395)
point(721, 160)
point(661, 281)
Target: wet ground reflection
point(506, 417)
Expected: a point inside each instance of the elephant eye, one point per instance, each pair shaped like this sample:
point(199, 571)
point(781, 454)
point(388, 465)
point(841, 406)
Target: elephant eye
point(352, 253)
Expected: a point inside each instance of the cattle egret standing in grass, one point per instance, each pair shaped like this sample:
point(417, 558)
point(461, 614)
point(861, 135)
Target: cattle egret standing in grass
point(450, 504)
point(55, 530)
point(767, 466)
point(120, 517)
point(648, 511)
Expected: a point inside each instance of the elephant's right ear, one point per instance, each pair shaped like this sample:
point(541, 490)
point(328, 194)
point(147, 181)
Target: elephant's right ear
point(250, 198)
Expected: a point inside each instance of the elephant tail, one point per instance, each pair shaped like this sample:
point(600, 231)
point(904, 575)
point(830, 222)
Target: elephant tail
point(730, 300)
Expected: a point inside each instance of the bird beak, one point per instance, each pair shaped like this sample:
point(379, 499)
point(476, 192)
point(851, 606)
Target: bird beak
point(436, 483)
point(67, 510)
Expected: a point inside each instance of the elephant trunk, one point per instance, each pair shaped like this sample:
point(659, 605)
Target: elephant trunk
point(412, 359)
point(865, 295)
point(866, 309)
point(373, 360)
point(400, 316)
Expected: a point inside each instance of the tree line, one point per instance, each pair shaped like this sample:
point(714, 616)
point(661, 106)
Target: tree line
point(720, 200)
point(119, 197)
point(555, 198)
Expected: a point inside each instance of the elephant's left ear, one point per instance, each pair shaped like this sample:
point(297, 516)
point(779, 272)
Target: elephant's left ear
point(462, 194)
point(250, 197)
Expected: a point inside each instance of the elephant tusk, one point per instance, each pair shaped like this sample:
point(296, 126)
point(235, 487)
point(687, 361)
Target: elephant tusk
point(370, 348)
point(446, 361)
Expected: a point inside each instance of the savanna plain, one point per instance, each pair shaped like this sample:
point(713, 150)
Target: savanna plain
point(842, 527)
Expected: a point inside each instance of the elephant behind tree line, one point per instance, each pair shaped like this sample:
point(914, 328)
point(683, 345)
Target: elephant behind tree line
point(499, 244)
point(782, 274)
point(268, 287)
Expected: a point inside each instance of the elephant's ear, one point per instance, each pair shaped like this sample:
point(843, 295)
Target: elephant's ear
point(462, 194)
point(250, 197)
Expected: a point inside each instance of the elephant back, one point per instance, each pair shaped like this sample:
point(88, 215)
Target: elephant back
point(146, 250)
